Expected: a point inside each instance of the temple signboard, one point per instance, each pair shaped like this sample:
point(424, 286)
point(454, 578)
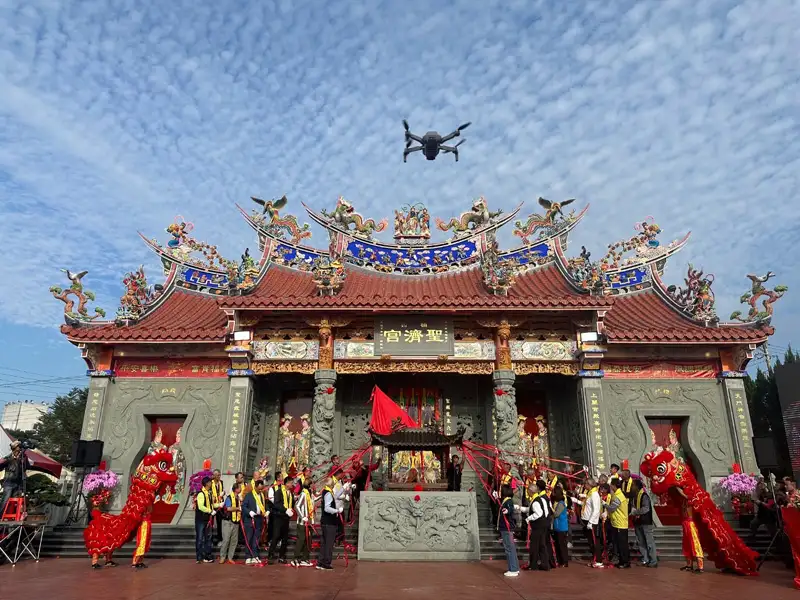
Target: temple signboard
point(414, 335)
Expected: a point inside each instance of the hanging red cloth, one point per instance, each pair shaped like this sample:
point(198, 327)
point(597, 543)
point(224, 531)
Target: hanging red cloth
point(386, 414)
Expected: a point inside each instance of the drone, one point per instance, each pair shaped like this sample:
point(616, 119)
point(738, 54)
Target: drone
point(432, 143)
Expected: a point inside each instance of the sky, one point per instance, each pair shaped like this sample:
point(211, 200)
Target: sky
point(116, 116)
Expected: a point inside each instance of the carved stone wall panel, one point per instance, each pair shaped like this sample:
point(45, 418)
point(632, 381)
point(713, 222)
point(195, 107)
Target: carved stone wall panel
point(440, 526)
point(300, 350)
point(269, 445)
point(323, 416)
point(627, 405)
point(543, 350)
point(126, 428)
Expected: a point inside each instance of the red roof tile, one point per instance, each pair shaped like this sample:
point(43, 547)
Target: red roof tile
point(183, 316)
point(646, 317)
point(284, 288)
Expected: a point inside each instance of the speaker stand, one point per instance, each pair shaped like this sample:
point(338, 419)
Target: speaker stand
point(74, 516)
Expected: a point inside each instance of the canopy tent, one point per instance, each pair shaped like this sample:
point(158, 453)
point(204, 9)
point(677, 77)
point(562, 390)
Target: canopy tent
point(36, 460)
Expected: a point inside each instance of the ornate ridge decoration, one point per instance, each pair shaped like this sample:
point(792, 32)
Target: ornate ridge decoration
point(412, 224)
point(559, 368)
point(547, 225)
point(697, 298)
point(758, 291)
point(244, 275)
point(328, 275)
point(182, 245)
point(587, 275)
point(356, 367)
point(478, 217)
point(498, 275)
point(282, 228)
point(306, 367)
point(74, 317)
point(137, 297)
point(644, 245)
point(344, 215)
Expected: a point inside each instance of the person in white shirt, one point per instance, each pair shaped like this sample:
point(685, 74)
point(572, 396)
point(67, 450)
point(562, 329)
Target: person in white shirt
point(591, 509)
point(538, 520)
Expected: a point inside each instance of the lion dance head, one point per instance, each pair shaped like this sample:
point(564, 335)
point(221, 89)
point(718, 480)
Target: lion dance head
point(665, 471)
point(155, 472)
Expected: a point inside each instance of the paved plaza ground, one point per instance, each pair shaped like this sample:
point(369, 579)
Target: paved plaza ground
point(173, 579)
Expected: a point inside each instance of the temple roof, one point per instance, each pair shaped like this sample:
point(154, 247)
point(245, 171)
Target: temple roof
point(412, 439)
point(646, 317)
point(540, 289)
point(182, 316)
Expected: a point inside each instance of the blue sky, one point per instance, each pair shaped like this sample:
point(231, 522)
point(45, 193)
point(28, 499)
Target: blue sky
point(117, 116)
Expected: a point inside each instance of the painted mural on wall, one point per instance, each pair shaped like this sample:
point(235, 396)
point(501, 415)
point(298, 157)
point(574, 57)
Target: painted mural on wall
point(534, 438)
point(665, 435)
point(294, 433)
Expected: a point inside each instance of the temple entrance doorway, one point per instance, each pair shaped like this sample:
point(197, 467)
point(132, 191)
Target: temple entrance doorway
point(666, 433)
point(165, 434)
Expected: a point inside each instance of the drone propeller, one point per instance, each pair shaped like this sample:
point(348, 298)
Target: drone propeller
point(408, 142)
point(464, 126)
point(405, 124)
point(459, 143)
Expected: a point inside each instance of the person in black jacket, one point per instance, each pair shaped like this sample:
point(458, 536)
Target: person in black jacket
point(254, 513)
point(281, 510)
point(539, 522)
point(507, 524)
point(330, 521)
point(454, 470)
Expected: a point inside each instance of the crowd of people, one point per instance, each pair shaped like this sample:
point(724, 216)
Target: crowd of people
point(259, 512)
point(538, 507)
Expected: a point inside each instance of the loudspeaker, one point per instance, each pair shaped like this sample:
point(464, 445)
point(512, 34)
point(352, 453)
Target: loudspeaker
point(87, 453)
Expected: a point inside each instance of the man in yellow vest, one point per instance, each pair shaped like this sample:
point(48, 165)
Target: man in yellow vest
point(617, 507)
point(231, 522)
point(203, 518)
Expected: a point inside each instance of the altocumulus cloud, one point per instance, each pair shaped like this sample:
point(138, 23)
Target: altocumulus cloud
point(114, 117)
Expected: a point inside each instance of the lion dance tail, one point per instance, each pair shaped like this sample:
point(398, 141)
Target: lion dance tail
point(725, 547)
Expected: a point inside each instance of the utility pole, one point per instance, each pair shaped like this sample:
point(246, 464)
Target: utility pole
point(767, 357)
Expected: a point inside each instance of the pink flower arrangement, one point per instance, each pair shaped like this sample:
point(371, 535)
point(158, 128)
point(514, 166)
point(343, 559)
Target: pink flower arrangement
point(98, 481)
point(739, 484)
point(196, 480)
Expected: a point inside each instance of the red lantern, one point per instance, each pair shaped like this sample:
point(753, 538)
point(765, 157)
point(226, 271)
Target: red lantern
point(207, 464)
point(737, 468)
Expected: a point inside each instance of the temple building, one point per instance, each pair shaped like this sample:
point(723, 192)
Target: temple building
point(534, 350)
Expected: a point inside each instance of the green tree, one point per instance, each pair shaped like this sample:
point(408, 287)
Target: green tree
point(61, 425)
point(20, 434)
point(765, 410)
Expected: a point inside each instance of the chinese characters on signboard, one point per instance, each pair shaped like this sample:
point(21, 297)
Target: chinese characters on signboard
point(198, 367)
point(414, 336)
point(597, 431)
point(92, 420)
point(233, 440)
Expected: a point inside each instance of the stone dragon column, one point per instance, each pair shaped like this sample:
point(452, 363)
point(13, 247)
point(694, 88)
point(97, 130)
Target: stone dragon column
point(505, 400)
point(324, 408)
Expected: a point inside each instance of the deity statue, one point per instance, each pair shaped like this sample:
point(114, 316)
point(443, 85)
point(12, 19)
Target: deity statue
point(655, 447)
point(541, 443)
point(401, 466)
point(675, 447)
point(412, 224)
point(525, 443)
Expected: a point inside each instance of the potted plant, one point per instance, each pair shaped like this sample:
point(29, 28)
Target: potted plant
point(42, 492)
point(741, 487)
point(98, 487)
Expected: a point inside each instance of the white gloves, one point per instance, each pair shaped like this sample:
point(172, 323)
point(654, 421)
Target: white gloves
point(340, 510)
point(505, 511)
point(213, 512)
point(529, 519)
point(289, 513)
point(347, 497)
point(495, 495)
point(305, 520)
point(517, 507)
point(252, 514)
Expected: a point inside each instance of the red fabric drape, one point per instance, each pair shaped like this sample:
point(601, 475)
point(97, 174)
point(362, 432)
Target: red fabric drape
point(791, 523)
point(386, 414)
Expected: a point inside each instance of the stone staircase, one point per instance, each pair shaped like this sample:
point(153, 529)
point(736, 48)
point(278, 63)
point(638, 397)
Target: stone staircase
point(167, 542)
point(668, 542)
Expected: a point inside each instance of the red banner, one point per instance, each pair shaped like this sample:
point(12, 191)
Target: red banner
point(160, 367)
point(660, 370)
point(791, 524)
point(387, 414)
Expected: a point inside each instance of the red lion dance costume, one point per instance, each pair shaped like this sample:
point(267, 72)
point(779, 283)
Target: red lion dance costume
point(703, 521)
point(106, 533)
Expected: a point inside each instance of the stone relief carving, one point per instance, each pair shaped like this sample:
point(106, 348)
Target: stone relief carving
point(255, 428)
point(399, 523)
point(272, 415)
point(206, 428)
point(547, 350)
point(285, 350)
point(472, 423)
point(706, 413)
point(322, 417)
point(354, 430)
point(123, 430)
